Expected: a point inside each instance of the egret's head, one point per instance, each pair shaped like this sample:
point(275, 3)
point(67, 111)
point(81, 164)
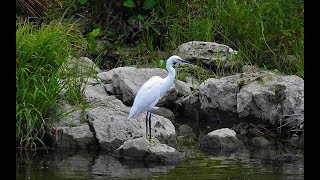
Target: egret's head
point(176, 59)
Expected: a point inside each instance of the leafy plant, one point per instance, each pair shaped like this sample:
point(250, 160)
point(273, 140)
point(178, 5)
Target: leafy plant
point(92, 40)
point(82, 2)
point(147, 4)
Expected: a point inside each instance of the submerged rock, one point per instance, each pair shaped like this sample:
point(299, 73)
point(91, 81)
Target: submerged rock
point(259, 142)
point(222, 139)
point(185, 130)
point(142, 149)
point(186, 136)
point(287, 157)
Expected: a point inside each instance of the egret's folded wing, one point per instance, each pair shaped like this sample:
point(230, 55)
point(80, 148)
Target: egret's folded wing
point(148, 94)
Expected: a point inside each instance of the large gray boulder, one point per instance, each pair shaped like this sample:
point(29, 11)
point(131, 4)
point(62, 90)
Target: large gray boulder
point(275, 99)
point(142, 149)
point(219, 94)
point(208, 52)
point(218, 103)
point(97, 94)
point(222, 139)
point(127, 81)
point(73, 137)
point(68, 129)
point(265, 97)
point(112, 127)
point(111, 168)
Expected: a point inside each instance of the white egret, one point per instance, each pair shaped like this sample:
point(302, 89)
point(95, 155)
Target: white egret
point(151, 92)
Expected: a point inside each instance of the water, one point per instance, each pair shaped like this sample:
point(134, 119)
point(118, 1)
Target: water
point(82, 164)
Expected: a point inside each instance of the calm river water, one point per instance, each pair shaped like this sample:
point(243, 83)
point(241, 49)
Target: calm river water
point(269, 163)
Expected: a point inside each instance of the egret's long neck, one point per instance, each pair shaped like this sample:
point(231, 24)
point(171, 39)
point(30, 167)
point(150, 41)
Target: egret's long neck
point(169, 79)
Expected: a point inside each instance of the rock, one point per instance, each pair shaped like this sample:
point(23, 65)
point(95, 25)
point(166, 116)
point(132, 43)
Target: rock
point(186, 136)
point(262, 97)
point(111, 168)
point(222, 139)
point(285, 158)
point(219, 94)
point(254, 131)
point(106, 76)
point(183, 88)
point(188, 110)
point(274, 99)
point(165, 154)
point(135, 149)
point(301, 140)
point(208, 52)
point(96, 94)
point(73, 137)
point(126, 82)
point(185, 130)
point(68, 129)
point(224, 132)
point(112, 127)
point(92, 81)
point(250, 69)
point(218, 103)
point(142, 149)
point(109, 89)
point(65, 116)
point(161, 111)
point(259, 142)
point(84, 65)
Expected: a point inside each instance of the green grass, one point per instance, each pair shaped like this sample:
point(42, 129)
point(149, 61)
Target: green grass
point(265, 33)
point(41, 52)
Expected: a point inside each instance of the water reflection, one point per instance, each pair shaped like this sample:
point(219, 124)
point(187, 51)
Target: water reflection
point(82, 164)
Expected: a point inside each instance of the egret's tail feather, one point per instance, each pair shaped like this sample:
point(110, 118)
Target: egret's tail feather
point(133, 114)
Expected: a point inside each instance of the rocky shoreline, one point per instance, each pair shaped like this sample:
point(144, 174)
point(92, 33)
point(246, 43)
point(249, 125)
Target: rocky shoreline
point(255, 108)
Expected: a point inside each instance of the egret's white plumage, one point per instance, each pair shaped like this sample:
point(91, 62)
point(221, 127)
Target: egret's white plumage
point(147, 97)
point(152, 90)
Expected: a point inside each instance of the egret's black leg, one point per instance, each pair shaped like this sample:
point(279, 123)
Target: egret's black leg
point(147, 125)
point(150, 124)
